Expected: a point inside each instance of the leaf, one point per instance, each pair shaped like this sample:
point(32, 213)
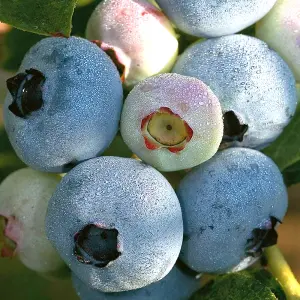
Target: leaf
point(285, 151)
point(268, 280)
point(242, 285)
point(18, 42)
point(46, 17)
point(291, 174)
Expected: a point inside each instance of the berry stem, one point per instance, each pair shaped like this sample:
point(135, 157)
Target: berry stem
point(282, 271)
point(134, 156)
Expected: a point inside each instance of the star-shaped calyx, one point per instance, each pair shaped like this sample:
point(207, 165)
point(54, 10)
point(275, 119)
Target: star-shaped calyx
point(96, 246)
point(26, 91)
point(262, 238)
point(10, 230)
point(165, 129)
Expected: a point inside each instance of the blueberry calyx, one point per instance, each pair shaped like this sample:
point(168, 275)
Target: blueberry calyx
point(7, 245)
point(262, 238)
point(233, 129)
point(165, 129)
point(26, 90)
point(120, 67)
point(113, 55)
point(96, 246)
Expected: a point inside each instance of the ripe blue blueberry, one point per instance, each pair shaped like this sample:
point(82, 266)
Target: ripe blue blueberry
point(116, 222)
point(209, 18)
point(231, 205)
point(64, 104)
point(254, 85)
point(177, 285)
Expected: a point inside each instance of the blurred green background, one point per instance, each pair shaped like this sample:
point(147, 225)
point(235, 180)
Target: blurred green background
point(16, 281)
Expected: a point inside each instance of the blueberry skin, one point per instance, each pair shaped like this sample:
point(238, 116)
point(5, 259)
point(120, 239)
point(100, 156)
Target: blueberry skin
point(126, 195)
point(280, 29)
point(207, 18)
point(175, 286)
point(82, 102)
point(222, 201)
point(24, 197)
point(249, 79)
point(192, 101)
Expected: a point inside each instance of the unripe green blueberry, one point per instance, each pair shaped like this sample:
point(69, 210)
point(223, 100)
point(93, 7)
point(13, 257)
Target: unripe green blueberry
point(137, 34)
point(280, 29)
point(24, 197)
point(172, 122)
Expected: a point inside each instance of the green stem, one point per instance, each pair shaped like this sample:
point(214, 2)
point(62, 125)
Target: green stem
point(281, 270)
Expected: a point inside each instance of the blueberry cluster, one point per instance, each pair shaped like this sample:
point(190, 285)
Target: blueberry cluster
point(117, 222)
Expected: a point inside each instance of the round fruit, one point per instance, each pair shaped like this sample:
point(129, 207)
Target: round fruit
point(172, 122)
point(207, 18)
point(116, 222)
point(280, 29)
point(64, 104)
point(137, 35)
point(255, 87)
point(175, 286)
point(231, 205)
point(24, 197)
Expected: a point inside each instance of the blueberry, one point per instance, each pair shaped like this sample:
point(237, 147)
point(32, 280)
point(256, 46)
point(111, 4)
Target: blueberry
point(280, 29)
point(116, 222)
point(175, 286)
point(231, 205)
point(64, 105)
point(255, 87)
point(212, 18)
point(172, 122)
point(24, 197)
point(137, 35)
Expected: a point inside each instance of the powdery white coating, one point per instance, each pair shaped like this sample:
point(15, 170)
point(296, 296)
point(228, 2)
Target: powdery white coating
point(175, 286)
point(244, 264)
point(188, 97)
point(212, 18)
point(82, 97)
point(131, 197)
point(222, 201)
point(24, 194)
point(280, 29)
point(140, 33)
point(248, 78)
